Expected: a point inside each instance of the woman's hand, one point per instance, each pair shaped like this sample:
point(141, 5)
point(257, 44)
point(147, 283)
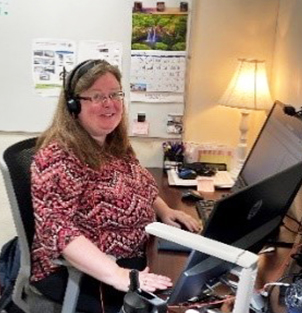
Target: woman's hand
point(175, 218)
point(179, 218)
point(149, 282)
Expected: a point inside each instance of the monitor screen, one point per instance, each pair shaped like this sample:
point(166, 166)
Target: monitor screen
point(245, 219)
point(278, 146)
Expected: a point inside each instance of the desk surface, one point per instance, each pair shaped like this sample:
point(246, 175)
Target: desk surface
point(172, 194)
point(167, 262)
point(271, 266)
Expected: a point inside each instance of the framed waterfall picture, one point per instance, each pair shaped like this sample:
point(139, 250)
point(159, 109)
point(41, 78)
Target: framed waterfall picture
point(159, 31)
point(159, 58)
point(158, 55)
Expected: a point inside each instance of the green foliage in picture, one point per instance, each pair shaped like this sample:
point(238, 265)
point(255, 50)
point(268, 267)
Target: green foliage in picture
point(160, 46)
point(159, 32)
point(140, 46)
point(180, 46)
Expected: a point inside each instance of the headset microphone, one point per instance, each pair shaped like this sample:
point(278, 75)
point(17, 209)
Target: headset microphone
point(289, 110)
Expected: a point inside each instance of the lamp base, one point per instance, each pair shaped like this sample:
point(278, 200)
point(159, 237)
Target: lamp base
point(237, 169)
point(242, 146)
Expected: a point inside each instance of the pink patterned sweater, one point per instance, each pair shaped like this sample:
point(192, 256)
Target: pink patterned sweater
point(110, 207)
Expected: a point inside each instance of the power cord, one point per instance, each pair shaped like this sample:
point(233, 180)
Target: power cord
point(293, 219)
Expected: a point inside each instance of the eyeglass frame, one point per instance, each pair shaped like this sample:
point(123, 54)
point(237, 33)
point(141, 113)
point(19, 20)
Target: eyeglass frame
point(104, 98)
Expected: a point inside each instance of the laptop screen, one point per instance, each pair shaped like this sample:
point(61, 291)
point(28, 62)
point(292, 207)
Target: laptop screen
point(278, 146)
point(245, 219)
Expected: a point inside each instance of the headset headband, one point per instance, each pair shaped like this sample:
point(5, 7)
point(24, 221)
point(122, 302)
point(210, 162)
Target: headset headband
point(78, 71)
point(72, 101)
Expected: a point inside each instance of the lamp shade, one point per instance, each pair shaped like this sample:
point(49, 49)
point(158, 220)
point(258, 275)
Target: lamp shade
point(248, 88)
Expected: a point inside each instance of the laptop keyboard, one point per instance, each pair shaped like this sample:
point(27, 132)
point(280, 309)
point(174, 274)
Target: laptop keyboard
point(204, 209)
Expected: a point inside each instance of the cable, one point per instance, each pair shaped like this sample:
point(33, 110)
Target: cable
point(265, 293)
point(208, 298)
point(279, 244)
point(292, 218)
point(272, 285)
point(199, 305)
point(297, 232)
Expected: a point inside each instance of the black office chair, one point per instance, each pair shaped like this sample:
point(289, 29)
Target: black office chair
point(15, 166)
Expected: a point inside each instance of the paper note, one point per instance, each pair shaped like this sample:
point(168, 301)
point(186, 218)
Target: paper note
point(140, 128)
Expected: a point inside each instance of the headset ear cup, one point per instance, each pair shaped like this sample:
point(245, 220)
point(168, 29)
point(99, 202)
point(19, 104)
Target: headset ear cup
point(72, 101)
point(74, 106)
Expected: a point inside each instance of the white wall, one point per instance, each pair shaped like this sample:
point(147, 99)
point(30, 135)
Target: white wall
point(223, 30)
point(287, 67)
point(287, 71)
point(22, 109)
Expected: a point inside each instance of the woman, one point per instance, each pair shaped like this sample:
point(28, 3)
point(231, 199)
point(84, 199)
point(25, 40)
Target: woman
point(92, 199)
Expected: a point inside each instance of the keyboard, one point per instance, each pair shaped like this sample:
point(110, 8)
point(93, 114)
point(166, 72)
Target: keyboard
point(204, 209)
point(223, 179)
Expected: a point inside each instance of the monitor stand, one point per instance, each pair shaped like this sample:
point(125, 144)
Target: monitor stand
point(223, 284)
point(245, 259)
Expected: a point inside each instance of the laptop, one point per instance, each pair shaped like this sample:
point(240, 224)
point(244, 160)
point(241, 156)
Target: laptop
point(245, 219)
point(277, 147)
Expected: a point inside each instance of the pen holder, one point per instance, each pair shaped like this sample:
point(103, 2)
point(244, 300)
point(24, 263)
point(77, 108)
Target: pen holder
point(172, 162)
point(173, 155)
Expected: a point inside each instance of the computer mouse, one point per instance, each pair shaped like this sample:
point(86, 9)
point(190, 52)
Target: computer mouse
point(186, 173)
point(192, 195)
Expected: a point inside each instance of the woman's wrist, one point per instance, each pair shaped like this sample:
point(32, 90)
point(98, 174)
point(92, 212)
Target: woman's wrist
point(121, 279)
point(161, 208)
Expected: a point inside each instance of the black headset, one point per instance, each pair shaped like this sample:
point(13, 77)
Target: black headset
point(72, 101)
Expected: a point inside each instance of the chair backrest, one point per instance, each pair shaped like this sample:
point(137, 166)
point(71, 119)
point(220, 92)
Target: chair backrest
point(15, 166)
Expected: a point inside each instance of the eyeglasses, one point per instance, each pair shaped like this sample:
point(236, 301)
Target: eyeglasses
point(101, 98)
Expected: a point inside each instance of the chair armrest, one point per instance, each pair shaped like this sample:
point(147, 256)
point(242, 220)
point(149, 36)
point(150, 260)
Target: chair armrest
point(73, 286)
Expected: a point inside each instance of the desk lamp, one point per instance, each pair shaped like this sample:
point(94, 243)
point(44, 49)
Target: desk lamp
point(245, 259)
point(248, 90)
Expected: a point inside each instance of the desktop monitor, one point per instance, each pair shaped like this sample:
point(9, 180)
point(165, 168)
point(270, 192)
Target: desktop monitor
point(245, 219)
point(278, 146)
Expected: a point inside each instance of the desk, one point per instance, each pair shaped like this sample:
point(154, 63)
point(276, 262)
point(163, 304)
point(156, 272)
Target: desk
point(166, 262)
point(271, 266)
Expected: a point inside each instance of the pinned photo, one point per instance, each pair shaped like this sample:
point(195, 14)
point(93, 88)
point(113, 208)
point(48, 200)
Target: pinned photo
point(174, 123)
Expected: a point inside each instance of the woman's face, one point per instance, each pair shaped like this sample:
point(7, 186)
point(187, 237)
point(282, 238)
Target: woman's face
point(102, 110)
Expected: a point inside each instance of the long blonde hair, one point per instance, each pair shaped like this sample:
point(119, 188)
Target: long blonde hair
point(67, 131)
